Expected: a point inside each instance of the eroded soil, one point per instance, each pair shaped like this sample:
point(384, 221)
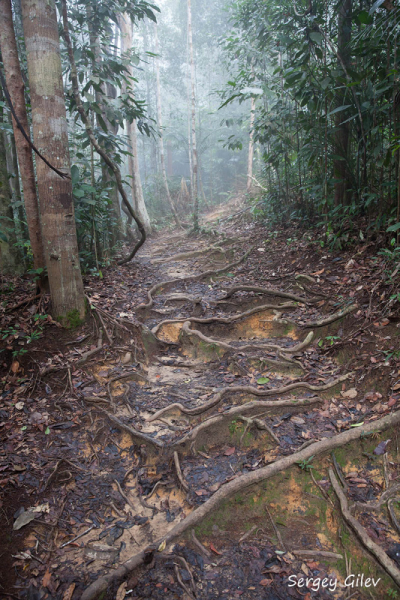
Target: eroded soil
point(195, 387)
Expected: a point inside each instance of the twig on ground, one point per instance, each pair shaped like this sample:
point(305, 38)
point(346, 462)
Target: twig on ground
point(179, 472)
point(277, 532)
point(200, 546)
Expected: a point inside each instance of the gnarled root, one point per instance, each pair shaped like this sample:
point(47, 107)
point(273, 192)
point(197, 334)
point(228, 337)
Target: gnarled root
point(267, 291)
point(192, 278)
point(239, 484)
point(247, 389)
point(225, 320)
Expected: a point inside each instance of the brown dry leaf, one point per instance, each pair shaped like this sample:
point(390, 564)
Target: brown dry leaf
point(265, 582)
point(46, 579)
point(121, 591)
point(352, 393)
point(68, 592)
point(15, 366)
point(396, 387)
point(305, 569)
point(213, 548)
point(392, 402)
point(229, 451)
point(318, 272)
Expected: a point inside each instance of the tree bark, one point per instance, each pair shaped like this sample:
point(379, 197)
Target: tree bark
point(15, 87)
point(251, 147)
point(133, 163)
point(160, 131)
point(194, 190)
point(342, 136)
point(9, 259)
point(50, 135)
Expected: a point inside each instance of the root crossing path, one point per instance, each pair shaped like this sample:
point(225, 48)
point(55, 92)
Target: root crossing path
point(204, 430)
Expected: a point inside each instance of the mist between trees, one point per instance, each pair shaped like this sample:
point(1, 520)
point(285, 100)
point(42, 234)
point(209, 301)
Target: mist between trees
point(148, 115)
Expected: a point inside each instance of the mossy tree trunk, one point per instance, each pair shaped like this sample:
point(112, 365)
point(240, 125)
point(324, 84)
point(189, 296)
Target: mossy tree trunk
point(10, 262)
point(15, 85)
point(50, 135)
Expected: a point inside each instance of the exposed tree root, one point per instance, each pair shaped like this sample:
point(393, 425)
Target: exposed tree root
point(387, 563)
point(247, 389)
point(225, 320)
point(191, 278)
point(136, 435)
point(267, 291)
point(179, 472)
point(237, 411)
point(190, 254)
point(240, 483)
point(174, 297)
point(194, 332)
point(332, 318)
point(371, 506)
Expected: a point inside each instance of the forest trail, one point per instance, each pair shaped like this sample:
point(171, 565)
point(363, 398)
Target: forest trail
point(171, 437)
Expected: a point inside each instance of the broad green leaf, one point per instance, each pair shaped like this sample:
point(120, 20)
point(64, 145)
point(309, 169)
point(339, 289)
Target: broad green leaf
point(316, 37)
point(394, 227)
point(365, 18)
point(262, 380)
point(339, 109)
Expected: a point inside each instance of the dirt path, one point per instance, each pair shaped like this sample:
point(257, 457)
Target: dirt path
point(227, 372)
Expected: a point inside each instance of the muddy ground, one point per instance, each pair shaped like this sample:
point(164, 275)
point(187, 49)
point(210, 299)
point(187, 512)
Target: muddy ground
point(183, 387)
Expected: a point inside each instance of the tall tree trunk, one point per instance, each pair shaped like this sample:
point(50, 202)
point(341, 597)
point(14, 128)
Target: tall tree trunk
point(15, 86)
point(10, 262)
point(251, 147)
point(160, 131)
point(125, 24)
point(50, 135)
point(340, 165)
point(194, 191)
point(13, 170)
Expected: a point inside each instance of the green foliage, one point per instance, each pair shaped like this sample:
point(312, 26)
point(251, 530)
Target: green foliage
point(305, 464)
point(14, 335)
point(312, 91)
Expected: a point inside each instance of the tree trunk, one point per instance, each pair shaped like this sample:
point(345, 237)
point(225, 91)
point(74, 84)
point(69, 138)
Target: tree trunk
point(50, 135)
point(137, 192)
point(251, 147)
point(15, 86)
point(194, 191)
point(9, 259)
point(160, 132)
point(340, 166)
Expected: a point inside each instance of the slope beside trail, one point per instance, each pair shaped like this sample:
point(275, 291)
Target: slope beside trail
point(214, 360)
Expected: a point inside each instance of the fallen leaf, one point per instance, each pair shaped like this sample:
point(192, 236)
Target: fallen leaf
point(352, 393)
point(229, 451)
point(15, 366)
point(213, 548)
point(162, 546)
point(392, 402)
point(46, 579)
point(381, 448)
point(265, 582)
point(121, 592)
point(68, 592)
